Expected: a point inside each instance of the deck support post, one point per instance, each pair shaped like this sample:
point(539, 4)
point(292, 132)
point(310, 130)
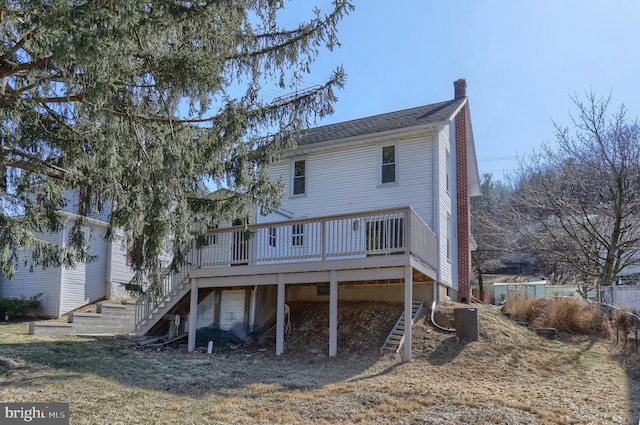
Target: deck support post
point(193, 316)
point(333, 314)
point(280, 316)
point(408, 307)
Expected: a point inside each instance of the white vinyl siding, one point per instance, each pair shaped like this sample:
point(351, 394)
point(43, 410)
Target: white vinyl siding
point(449, 244)
point(447, 197)
point(120, 270)
point(28, 284)
point(345, 180)
point(448, 171)
point(73, 203)
point(85, 283)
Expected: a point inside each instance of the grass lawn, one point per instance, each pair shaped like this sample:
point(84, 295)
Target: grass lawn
point(509, 376)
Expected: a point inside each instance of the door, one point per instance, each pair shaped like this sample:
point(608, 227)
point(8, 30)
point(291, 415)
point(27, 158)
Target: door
point(231, 308)
point(239, 246)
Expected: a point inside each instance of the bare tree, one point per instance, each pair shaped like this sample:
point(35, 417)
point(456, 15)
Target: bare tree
point(489, 228)
point(578, 200)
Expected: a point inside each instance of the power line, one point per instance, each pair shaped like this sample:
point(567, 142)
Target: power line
point(505, 158)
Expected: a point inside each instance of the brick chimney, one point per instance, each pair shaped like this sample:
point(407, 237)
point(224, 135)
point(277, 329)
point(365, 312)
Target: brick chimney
point(462, 196)
point(459, 88)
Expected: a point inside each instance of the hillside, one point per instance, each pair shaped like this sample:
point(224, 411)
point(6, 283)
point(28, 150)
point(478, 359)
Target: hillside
point(509, 376)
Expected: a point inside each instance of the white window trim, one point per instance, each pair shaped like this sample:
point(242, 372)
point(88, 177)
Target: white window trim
point(447, 168)
point(292, 166)
point(397, 168)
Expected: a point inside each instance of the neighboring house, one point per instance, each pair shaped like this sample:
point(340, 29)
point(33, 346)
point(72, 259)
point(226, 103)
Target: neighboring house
point(376, 209)
point(535, 289)
point(65, 289)
point(624, 291)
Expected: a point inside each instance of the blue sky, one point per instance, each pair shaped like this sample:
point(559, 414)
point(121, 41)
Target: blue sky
point(521, 60)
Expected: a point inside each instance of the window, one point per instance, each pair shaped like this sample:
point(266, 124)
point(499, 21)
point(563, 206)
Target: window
point(323, 290)
point(299, 177)
point(297, 235)
point(448, 171)
point(272, 237)
point(388, 170)
point(449, 229)
point(384, 234)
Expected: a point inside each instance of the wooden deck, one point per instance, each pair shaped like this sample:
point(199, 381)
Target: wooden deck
point(373, 245)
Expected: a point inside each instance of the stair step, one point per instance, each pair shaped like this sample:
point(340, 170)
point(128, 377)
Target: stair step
point(395, 340)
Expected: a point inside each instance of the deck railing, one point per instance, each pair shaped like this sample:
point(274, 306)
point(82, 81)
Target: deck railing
point(356, 235)
point(381, 232)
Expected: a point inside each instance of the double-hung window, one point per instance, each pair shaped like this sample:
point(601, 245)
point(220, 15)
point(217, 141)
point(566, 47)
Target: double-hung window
point(273, 241)
point(297, 235)
point(388, 164)
point(298, 177)
point(385, 234)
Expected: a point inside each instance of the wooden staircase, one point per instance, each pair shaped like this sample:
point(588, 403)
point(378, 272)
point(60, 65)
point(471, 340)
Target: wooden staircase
point(161, 308)
point(176, 285)
point(395, 340)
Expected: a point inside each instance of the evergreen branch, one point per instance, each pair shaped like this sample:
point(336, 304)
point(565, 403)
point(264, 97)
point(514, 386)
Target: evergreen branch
point(293, 36)
point(36, 168)
point(24, 40)
point(15, 70)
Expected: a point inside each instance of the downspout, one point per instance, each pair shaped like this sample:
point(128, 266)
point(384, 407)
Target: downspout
point(61, 271)
point(107, 277)
point(433, 320)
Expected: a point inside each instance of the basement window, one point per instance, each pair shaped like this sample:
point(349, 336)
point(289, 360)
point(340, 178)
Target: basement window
point(323, 290)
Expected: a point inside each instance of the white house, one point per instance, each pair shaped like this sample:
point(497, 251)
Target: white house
point(65, 289)
point(376, 209)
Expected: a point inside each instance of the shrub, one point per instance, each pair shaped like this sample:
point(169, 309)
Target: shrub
point(566, 314)
point(18, 307)
point(623, 320)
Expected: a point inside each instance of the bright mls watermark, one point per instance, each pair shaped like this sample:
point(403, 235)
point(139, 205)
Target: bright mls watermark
point(34, 413)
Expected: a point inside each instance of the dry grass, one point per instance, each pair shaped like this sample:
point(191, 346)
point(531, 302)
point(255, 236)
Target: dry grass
point(566, 314)
point(509, 376)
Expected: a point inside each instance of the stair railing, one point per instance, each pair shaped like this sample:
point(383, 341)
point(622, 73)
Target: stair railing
point(173, 279)
point(395, 326)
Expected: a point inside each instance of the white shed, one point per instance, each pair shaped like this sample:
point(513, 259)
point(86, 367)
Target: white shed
point(536, 289)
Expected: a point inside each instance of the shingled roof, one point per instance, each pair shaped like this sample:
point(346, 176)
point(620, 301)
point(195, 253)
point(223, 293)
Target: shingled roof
point(421, 115)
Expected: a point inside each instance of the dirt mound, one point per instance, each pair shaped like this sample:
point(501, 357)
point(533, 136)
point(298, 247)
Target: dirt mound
point(364, 326)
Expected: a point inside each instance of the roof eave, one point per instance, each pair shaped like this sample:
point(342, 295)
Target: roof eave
point(368, 138)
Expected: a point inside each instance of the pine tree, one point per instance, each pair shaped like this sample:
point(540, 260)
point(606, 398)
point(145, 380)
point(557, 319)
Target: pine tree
point(139, 103)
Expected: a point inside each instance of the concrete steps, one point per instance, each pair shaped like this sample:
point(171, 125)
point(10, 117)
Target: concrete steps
point(109, 319)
